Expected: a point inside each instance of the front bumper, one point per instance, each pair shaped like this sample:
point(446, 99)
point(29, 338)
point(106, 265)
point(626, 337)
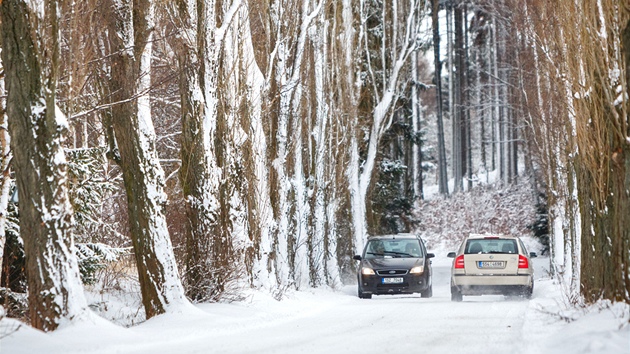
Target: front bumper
point(373, 284)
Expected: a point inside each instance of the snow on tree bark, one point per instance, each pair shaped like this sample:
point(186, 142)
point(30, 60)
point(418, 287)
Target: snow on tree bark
point(199, 173)
point(288, 65)
point(416, 111)
point(30, 55)
point(131, 37)
point(581, 135)
point(5, 177)
point(317, 250)
point(443, 175)
point(259, 214)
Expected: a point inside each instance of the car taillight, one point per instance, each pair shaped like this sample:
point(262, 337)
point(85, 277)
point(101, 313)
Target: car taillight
point(459, 262)
point(522, 261)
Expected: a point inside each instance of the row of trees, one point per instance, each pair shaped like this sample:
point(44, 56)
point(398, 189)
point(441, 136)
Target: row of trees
point(545, 82)
point(474, 124)
point(279, 112)
point(578, 119)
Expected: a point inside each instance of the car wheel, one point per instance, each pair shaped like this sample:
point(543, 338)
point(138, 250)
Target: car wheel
point(363, 295)
point(527, 293)
point(456, 295)
point(428, 292)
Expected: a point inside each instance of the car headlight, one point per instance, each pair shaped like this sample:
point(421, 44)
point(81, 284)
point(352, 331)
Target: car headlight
point(417, 270)
point(367, 271)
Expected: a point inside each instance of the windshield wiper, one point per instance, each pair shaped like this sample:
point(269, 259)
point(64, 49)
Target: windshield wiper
point(400, 253)
point(394, 253)
point(376, 254)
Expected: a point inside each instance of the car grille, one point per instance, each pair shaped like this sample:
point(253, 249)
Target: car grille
point(392, 272)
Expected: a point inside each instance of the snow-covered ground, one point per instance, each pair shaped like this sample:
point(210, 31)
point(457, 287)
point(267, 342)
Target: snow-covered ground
point(327, 321)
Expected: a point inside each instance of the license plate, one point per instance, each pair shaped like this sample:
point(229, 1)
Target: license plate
point(392, 280)
point(491, 264)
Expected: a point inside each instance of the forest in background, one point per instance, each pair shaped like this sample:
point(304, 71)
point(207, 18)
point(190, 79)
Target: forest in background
point(230, 144)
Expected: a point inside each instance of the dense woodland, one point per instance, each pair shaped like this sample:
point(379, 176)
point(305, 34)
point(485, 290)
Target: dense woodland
point(229, 144)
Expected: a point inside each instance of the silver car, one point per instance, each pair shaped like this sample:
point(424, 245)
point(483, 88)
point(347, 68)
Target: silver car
point(491, 264)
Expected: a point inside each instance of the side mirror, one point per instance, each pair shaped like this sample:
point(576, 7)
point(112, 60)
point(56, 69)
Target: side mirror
point(357, 258)
point(532, 255)
point(430, 255)
point(451, 255)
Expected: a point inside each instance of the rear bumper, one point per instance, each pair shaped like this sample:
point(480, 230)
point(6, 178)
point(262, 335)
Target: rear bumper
point(492, 284)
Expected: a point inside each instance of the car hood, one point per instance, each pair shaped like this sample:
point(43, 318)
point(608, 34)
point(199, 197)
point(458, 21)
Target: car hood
point(393, 263)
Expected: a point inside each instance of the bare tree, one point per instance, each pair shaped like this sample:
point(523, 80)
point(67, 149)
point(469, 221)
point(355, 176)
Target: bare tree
point(30, 53)
point(5, 176)
point(252, 59)
point(443, 177)
point(194, 44)
point(578, 119)
point(131, 33)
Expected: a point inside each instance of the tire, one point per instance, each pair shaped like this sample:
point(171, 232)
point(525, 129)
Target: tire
point(528, 292)
point(363, 295)
point(456, 295)
point(427, 293)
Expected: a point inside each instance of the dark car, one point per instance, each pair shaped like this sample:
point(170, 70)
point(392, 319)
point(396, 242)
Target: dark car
point(394, 264)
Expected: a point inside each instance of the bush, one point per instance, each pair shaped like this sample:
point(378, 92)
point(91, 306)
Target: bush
point(93, 257)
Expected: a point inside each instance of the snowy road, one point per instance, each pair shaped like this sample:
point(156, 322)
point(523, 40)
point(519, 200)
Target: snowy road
point(322, 321)
point(393, 323)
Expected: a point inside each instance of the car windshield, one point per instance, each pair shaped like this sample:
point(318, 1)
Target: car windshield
point(393, 249)
point(474, 246)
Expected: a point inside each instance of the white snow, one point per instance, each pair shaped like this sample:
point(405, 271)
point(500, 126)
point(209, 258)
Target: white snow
point(327, 321)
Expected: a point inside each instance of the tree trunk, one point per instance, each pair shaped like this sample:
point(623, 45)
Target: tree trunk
point(624, 158)
point(467, 129)
point(198, 172)
point(319, 160)
point(459, 127)
point(443, 177)
point(416, 145)
point(5, 176)
point(37, 134)
point(131, 36)
point(604, 154)
point(260, 218)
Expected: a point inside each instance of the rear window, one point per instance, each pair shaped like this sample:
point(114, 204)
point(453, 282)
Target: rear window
point(474, 246)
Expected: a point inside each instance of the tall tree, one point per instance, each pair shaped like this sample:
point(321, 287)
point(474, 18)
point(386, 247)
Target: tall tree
point(131, 35)
point(580, 133)
point(196, 48)
point(290, 26)
point(30, 53)
point(604, 149)
point(387, 58)
point(5, 176)
point(250, 91)
point(416, 117)
point(443, 177)
point(458, 87)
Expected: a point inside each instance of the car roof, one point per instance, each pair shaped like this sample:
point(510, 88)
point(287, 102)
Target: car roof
point(403, 236)
point(488, 235)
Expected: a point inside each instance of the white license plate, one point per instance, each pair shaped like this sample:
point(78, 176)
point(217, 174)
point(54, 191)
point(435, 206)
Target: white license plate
point(392, 280)
point(491, 264)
